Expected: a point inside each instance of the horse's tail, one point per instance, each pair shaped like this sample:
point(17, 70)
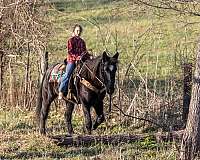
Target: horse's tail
point(39, 100)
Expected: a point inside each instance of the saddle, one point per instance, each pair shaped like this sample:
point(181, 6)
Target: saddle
point(57, 72)
point(56, 76)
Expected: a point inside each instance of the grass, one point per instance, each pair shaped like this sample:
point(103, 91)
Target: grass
point(20, 140)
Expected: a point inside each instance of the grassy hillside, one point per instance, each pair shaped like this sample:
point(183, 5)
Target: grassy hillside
point(165, 39)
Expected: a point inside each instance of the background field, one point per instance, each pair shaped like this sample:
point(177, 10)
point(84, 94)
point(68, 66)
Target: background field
point(153, 46)
point(164, 38)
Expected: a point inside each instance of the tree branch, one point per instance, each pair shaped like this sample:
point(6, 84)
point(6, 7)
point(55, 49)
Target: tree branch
point(168, 5)
point(139, 118)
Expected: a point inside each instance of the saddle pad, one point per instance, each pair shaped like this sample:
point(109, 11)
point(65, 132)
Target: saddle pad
point(57, 73)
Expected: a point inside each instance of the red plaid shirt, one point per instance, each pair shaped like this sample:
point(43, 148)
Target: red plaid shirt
point(76, 47)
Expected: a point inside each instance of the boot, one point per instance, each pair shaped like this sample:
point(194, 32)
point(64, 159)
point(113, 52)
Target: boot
point(60, 95)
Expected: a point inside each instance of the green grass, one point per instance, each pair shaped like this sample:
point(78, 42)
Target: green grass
point(20, 140)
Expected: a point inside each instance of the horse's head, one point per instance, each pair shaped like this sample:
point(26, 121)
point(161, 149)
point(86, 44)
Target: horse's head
point(109, 69)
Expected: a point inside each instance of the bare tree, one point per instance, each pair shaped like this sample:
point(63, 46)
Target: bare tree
point(191, 138)
point(23, 32)
point(190, 7)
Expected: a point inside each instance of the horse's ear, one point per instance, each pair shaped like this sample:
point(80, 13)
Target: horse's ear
point(116, 55)
point(105, 57)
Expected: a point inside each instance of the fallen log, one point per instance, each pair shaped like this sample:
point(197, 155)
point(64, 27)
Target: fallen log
point(83, 140)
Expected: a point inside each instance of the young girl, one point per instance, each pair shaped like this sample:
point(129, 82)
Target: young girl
point(76, 48)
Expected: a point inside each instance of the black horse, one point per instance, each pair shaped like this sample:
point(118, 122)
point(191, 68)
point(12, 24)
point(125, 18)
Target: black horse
point(94, 79)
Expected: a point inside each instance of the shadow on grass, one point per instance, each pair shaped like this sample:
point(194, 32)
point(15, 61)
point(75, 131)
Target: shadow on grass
point(92, 151)
point(22, 125)
point(78, 5)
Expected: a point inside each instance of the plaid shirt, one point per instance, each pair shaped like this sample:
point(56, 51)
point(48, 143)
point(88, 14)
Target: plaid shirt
point(76, 47)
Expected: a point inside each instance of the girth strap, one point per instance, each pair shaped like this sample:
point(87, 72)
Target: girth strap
point(91, 87)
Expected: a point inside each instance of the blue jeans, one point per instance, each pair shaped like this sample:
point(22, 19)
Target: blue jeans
point(65, 78)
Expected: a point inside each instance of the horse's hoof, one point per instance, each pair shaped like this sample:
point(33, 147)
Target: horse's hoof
point(86, 131)
point(42, 132)
point(89, 132)
point(94, 127)
point(71, 133)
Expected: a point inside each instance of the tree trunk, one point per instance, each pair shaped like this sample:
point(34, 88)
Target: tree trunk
point(26, 97)
point(186, 90)
point(191, 138)
point(11, 84)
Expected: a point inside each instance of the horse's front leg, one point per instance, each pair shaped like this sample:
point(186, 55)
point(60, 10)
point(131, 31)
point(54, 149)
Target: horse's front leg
point(88, 121)
point(100, 116)
point(68, 116)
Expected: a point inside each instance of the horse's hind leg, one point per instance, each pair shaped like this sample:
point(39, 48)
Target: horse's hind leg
point(68, 116)
point(100, 116)
point(44, 114)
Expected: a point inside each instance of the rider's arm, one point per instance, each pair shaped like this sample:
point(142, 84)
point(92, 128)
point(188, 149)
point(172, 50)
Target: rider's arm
point(71, 56)
point(70, 47)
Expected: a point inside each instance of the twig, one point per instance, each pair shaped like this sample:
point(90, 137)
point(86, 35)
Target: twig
point(139, 118)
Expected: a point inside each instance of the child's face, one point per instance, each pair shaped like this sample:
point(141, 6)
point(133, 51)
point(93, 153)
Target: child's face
point(77, 31)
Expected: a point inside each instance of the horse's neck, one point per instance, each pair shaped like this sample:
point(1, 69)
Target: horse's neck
point(94, 75)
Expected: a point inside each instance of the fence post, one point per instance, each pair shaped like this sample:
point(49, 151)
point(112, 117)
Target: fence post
point(1, 70)
point(187, 85)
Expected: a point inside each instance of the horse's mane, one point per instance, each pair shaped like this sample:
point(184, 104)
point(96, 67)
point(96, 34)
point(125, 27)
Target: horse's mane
point(93, 64)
